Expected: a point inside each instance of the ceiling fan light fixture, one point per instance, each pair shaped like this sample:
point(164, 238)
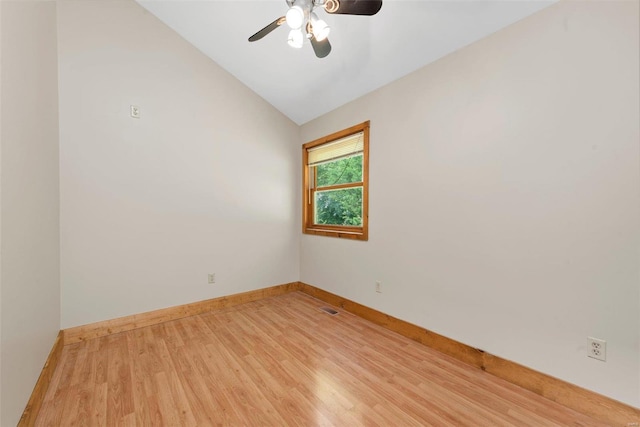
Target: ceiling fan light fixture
point(295, 17)
point(320, 28)
point(302, 21)
point(296, 39)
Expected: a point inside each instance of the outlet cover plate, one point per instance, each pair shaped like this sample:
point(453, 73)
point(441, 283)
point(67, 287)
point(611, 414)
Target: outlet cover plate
point(597, 348)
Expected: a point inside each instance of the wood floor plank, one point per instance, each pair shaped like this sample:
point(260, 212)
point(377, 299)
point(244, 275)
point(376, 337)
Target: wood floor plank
point(56, 398)
point(280, 361)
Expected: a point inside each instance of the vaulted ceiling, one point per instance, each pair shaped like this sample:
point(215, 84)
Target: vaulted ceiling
point(367, 52)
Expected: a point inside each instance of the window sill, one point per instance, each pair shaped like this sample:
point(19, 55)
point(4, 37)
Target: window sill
point(357, 234)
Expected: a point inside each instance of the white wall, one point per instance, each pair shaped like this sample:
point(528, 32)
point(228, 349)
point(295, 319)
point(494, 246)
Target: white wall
point(505, 196)
point(1, 38)
point(29, 199)
point(202, 183)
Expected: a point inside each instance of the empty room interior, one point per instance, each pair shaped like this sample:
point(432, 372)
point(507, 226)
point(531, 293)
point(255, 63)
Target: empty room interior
point(165, 258)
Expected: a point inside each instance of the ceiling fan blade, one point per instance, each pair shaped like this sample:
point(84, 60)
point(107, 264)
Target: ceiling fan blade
point(353, 7)
point(322, 48)
point(266, 30)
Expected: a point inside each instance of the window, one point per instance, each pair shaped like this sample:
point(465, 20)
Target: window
point(335, 182)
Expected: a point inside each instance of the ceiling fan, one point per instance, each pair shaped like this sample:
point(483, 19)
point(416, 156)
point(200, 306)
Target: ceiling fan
point(304, 22)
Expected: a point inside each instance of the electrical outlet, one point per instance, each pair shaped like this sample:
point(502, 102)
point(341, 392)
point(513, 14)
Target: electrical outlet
point(379, 287)
point(212, 278)
point(135, 111)
point(597, 348)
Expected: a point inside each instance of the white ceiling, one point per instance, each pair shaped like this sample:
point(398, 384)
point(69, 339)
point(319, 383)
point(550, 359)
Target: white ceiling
point(368, 52)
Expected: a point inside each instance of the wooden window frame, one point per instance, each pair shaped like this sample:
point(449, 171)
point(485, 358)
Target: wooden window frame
point(308, 197)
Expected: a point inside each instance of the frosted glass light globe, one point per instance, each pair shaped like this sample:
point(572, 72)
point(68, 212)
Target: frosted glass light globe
point(296, 39)
point(295, 17)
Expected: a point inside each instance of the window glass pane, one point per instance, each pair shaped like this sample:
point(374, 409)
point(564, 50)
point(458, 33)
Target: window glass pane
point(339, 207)
point(341, 171)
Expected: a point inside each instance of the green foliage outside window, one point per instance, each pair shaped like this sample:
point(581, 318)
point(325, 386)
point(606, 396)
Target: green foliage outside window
point(341, 171)
point(340, 206)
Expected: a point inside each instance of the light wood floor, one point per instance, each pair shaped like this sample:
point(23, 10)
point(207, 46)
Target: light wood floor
point(276, 362)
